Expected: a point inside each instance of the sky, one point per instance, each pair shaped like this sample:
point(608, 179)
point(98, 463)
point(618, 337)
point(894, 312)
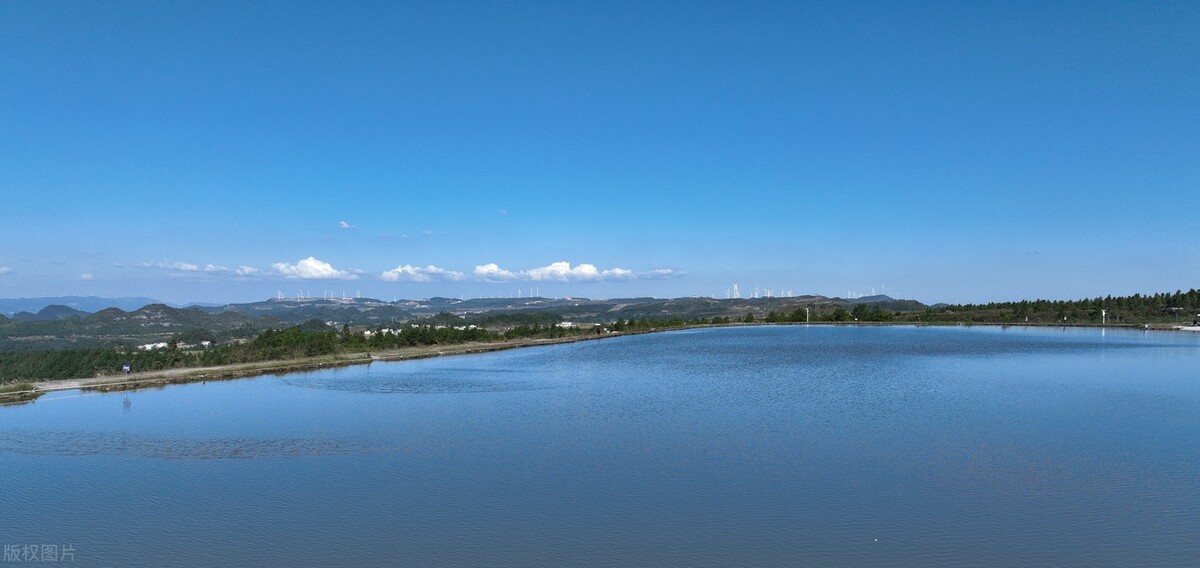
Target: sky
point(939, 151)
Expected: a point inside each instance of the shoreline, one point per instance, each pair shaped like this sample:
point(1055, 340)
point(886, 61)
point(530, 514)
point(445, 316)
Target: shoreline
point(165, 377)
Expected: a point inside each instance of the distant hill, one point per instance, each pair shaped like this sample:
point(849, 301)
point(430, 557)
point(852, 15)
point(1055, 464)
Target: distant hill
point(59, 327)
point(51, 313)
point(370, 311)
point(364, 311)
point(876, 299)
point(887, 302)
point(10, 306)
point(62, 326)
point(109, 312)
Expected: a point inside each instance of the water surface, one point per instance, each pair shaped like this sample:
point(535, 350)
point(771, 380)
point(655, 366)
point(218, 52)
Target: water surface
point(832, 446)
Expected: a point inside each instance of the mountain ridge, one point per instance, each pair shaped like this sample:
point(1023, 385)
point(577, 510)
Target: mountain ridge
point(90, 304)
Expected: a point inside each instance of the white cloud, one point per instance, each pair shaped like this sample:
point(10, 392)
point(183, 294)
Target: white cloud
point(5, 270)
point(618, 274)
point(345, 226)
point(313, 269)
point(410, 273)
point(86, 276)
point(492, 272)
point(179, 266)
point(661, 273)
point(187, 267)
point(242, 270)
point(562, 271)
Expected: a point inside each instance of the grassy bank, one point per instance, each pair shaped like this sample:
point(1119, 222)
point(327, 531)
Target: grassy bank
point(18, 392)
point(161, 378)
point(15, 387)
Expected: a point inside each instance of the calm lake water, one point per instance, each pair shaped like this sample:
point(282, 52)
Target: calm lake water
point(786, 446)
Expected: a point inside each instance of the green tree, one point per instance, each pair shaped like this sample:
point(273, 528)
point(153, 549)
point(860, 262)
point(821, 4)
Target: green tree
point(860, 312)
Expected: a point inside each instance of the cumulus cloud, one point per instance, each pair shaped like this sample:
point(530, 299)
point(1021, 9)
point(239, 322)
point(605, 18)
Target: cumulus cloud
point(492, 272)
point(563, 271)
point(242, 270)
point(618, 274)
point(345, 226)
point(5, 270)
point(312, 269)
point(86, 276)
point(188, 267)
point(410, 273)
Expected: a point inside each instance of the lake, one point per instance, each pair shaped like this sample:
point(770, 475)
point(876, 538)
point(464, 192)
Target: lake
point(748, 446)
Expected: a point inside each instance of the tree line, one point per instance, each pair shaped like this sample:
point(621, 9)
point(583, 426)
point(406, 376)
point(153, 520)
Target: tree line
point(311, 339)
point(1177, 307)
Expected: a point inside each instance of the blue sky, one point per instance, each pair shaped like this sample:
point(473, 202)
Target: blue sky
point(959, 151)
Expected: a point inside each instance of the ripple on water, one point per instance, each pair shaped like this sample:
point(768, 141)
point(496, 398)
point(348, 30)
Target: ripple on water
point(440, 381)
point(125, 444)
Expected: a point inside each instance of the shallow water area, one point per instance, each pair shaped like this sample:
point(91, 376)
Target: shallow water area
point(784, 446)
